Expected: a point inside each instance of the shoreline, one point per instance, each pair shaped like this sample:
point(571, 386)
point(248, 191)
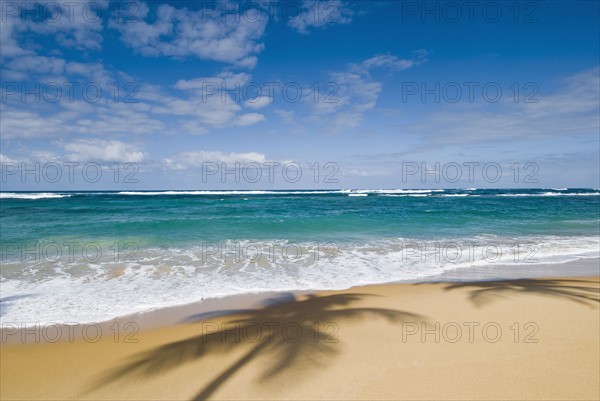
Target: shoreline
point(169, 316)
point(511, 339)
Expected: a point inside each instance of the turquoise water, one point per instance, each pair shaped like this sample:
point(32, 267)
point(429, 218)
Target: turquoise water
point(96, 255)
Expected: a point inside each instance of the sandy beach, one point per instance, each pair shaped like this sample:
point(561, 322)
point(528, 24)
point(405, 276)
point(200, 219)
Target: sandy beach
point(299, 200)
point(520, 339)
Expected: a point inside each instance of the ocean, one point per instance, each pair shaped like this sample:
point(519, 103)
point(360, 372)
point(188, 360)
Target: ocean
point(93, 256)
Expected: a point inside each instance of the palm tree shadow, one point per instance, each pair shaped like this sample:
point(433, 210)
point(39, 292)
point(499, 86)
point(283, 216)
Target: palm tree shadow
point(289, 332)
point(570, 289)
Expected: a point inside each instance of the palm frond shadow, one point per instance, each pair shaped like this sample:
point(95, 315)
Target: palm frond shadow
point(570, 289)
point(282, 343)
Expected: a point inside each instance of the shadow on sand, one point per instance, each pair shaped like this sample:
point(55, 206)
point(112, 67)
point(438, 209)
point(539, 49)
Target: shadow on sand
point(482, 293)
point(290, 335)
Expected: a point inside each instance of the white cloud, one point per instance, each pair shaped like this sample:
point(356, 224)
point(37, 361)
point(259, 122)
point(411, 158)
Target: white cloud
point(38, 65)
point(72, 24)
point(155, 108)
point(71, 119)
point(6, 159)
point(26, 155)
point(249, 119)
point(10, 29)
point(258, 102)
point(45, 69)
point(355, 91)
point(212, 101)
point(179, 32)
point(16, 124)
point(319, 14)
point(225, 80)
point(571, 110)
point(186, 160)
point(287, 116)
point(192, 127)
point(97, 150)
point(391, 62)
point(215, 111)
point(157, 111)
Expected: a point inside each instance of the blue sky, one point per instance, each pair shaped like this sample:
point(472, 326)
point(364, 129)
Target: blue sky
point(368, 90)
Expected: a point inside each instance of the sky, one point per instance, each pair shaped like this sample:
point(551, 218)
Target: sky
point(167, 95)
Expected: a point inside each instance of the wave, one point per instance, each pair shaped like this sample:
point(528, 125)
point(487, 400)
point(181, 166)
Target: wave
point(37, 195)
point(257, 192)
point(159, 277)
point(275, 192)
point(556, 194)
point(364, 192)
point(396, 191)
point(404, 195)
point(349, 192)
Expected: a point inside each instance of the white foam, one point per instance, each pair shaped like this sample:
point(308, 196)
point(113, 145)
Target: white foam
point(397, 191)
point(556, 194)
point(220, 193)
point(83, 292)
point(405, 195)
point(37, 195)
point(268, 192)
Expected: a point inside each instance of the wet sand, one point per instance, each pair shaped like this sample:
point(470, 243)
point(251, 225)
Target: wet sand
point(519, 339)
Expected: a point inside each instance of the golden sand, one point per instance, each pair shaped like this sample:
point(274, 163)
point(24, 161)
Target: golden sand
point(522, 339)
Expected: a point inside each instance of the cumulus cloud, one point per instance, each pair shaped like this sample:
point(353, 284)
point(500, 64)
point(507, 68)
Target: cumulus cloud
point(77, 24)
point(6, 159)
point(145, 109)
point(320, 14)
point(570, 110)
point(287, 116)
point(72, 24)
point(258, 102)
point(194, 159)
point(214, 101)
point(71, 119)
point(179, 32)
point(390, 62)
point(11, 28)
point(153, 110)
point(192, 127)
point(225, 80)
point(98, 150)
point(249, 119)
point(355, 91)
